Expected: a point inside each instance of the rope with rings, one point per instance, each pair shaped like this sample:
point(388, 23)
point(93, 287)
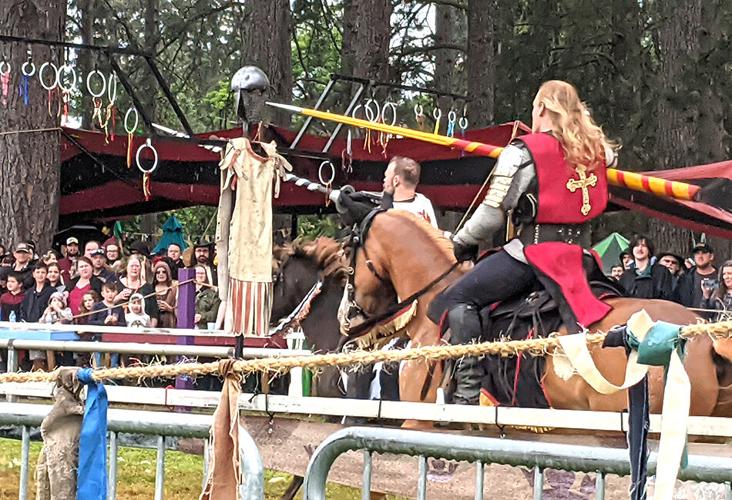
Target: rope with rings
point(533, 347)
point(146, 172)
point(327, 181)
point(130, 129)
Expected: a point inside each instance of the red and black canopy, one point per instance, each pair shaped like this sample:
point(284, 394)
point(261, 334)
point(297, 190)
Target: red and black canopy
point(97, 184)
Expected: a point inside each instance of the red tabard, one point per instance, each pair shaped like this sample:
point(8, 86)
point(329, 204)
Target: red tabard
point(562, 262)
point(557, 204)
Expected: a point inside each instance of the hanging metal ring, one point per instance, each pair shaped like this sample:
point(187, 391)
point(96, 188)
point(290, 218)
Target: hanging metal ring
point(25, 71)
point(437, 113)
point(418, 111)
point(331, 178)
point(355, 110)
point(54, 82)
point(452, 117)
point(463, 123)
point(112, 96)
point(389, 105)
point(128, 129)
point(372, 115)
point(147, 145)
point(67, 68)
point(89, 87)
point(5, 67)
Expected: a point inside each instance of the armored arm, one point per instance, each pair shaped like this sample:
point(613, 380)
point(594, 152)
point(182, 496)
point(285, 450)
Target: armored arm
point(510, 179)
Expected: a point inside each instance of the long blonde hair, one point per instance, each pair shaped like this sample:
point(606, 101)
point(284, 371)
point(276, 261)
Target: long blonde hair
point(583, 141)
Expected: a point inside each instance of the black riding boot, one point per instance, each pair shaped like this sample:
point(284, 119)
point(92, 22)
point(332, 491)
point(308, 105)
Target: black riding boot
point(465, 328)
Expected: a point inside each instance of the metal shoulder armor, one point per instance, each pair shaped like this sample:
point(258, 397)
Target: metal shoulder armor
point(514, 157)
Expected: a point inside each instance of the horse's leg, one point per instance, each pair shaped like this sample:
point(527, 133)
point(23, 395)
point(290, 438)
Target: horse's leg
point(419, 380)
point(413, 376)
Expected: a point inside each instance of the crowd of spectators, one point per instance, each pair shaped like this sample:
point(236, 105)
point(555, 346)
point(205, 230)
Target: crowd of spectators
point(106, 285)
point(696, 281)
point(112, 285)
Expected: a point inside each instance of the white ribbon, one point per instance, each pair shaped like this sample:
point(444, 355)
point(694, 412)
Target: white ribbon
point(676, 397)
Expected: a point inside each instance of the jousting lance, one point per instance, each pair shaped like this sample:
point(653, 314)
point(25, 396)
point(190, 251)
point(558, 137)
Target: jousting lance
point(631, 180)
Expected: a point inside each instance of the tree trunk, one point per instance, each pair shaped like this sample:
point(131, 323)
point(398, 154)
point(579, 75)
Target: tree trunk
point(30, 162)
point(678, 110)
point(267, 46)
point(711, 134)
point(481, 62)
point(448, 21)
point(149, 84)
point(366, 36)
point(86, 58)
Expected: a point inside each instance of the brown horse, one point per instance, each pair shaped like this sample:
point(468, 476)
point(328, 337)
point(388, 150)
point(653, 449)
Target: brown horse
point(410, 254)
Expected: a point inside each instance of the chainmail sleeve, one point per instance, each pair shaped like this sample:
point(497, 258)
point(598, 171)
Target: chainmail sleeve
point(513, 173)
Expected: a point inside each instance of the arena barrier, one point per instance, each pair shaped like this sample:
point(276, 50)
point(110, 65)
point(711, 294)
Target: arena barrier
point(191, 351)
point(157, 424)
point(484, 451)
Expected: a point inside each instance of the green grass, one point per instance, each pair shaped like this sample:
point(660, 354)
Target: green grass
point(136, 475)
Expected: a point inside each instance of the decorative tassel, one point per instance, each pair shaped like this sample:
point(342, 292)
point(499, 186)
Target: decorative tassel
point(146, 186)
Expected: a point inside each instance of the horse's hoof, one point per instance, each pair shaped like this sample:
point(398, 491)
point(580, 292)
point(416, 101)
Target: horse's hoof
point(418, 425)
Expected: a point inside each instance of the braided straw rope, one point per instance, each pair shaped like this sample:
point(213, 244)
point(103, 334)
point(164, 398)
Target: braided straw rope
point(533, 347)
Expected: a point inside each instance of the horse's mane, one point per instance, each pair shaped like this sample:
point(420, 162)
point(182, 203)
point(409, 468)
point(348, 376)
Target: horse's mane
point(326, 253)
point(437, 236)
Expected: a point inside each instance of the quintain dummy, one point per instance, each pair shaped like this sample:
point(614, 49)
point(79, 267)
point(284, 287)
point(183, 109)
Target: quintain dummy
point(244, 221)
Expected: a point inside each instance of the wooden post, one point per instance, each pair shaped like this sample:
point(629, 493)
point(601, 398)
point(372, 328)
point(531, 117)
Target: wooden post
point(186, 309)
point(185, 312)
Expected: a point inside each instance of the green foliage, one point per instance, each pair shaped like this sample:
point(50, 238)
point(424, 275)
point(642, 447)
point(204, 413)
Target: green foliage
point(310, 227)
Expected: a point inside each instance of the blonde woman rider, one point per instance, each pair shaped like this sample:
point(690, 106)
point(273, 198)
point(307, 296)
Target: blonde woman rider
point(553, 182)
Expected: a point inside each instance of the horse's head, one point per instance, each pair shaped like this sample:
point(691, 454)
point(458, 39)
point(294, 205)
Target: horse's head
point(396, 256)
point(298, 266)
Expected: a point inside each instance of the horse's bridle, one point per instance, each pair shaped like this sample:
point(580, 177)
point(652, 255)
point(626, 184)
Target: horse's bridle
point(358, 240)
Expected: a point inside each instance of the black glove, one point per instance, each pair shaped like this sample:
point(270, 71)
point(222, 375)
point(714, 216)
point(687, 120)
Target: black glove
point(464, 252)
point(354, 207)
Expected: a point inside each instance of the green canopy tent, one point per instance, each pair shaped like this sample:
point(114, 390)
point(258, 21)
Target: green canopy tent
point(172, 233)
point(610, 249)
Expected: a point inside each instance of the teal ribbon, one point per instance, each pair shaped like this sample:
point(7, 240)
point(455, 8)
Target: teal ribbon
point(656, 349)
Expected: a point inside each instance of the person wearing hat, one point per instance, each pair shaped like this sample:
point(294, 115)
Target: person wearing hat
point(674, 264)
point(99, 266)
point(23, 255)
point(626, 260)
point(690, 290)
point(202, 257)
point(140, 248)
point(67, 265)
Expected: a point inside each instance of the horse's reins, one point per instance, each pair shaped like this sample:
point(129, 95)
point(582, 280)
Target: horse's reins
point(364, 327)
point(295, 315)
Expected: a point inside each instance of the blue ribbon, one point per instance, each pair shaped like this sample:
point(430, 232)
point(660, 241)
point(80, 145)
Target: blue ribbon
point(92, 474)
point(23, 90)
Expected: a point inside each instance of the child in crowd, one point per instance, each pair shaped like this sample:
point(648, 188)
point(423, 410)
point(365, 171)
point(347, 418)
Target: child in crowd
point(57, 312)
point(107, 314)
point(136, 316)
point(11, 300)
point(88, 300)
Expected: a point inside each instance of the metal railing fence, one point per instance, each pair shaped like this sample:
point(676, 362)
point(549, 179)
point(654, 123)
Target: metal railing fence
point(483, 451)
point(158, 424)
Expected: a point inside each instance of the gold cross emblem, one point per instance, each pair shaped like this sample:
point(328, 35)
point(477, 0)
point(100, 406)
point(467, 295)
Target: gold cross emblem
point(583, 183)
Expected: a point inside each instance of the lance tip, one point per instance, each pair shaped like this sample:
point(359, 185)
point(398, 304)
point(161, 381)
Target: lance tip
point(288, 107)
